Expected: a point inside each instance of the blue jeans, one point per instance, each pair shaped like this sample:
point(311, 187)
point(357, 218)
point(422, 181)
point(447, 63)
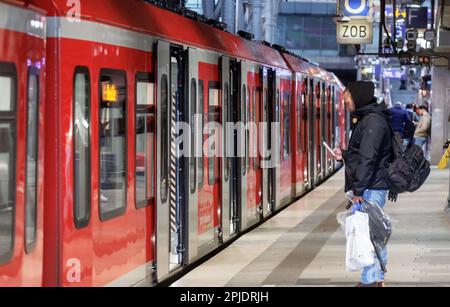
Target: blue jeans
point(420, 141)
point(374, 273)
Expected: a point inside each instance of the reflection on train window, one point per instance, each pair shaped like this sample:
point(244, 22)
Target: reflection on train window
point(192, 159)
point(32, 159)
point(164, 138)
point(213, 146)
point(113, 161)
point(145, 141)
point(286, 125)
point(7, 160)
point(201, 111)
point(82, 145)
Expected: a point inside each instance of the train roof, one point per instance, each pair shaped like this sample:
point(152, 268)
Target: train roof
point(140, 16)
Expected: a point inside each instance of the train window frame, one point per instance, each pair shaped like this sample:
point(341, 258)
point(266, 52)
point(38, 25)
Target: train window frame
point(30, 243)
point(83, 222)
point(305, 109)
point(244, 122)
point(9, 117)
point(201, 111)
point(145, 110)
point(109, 215)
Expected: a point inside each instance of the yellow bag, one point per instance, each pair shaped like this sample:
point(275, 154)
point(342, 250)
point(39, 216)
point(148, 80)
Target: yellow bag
point(445, 159)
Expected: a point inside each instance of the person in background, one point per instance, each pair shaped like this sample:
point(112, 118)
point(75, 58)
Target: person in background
point(366, 160)
point(399, 118)
point(410, 128)
point(423, 130)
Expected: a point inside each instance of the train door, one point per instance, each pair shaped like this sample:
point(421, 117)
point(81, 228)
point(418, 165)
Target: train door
point(276, 142)
point(243, 140)
point(323, 128)
point(318, 131)
point(264, 137)
point(227, 191)
point(193, 111)
point(170, 184)
point(305, 131)
point(234, 114)
point(311, 133)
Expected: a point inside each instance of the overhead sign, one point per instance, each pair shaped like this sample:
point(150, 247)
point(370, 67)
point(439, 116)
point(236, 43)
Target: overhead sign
point(417, 17)
point(357, 8)
point(355, 32)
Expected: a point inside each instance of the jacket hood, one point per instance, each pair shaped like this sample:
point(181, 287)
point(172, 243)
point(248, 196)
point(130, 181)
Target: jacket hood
point(373, 107)
point(362, 93)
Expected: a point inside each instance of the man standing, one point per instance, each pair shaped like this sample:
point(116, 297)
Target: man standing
point(366, 160)
point(399, 118)
point(423, 130)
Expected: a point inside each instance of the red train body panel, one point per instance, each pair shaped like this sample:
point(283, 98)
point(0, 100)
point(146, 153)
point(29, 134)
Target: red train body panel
point(90, 123)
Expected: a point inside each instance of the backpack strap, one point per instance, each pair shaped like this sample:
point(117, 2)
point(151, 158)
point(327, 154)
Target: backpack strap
point(396, 140)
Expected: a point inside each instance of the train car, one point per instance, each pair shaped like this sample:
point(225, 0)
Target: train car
point(22, 109)
point(127, 203)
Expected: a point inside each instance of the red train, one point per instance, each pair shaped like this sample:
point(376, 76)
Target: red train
point(90, 94)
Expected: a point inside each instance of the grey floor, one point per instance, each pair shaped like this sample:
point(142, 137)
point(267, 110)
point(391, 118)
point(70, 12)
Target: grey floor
point(305, 246)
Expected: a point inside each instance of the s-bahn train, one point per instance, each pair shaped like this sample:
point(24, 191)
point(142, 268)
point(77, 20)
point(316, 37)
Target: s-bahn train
point(92, 191)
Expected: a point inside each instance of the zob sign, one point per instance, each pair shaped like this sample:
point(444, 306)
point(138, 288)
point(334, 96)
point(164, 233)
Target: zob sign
point(355, 32)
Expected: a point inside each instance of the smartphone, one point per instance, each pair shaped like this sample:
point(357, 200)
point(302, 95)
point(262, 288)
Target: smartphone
point(329, 149)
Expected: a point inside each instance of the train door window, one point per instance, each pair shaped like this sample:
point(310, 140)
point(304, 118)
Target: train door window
point(113, 153)
point(305, 110)
point(248, 121)
point(244, 122)
point(32, 159)
point(286, 125)
point(82, 147)
point(213, 117)
point(226, 116)
point(256, 120)
point(201, 111)
point(145, 140)
point(8, 81)
point(164, 186)
point(192, 159)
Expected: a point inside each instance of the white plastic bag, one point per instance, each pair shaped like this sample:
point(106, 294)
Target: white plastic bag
point(360, 250)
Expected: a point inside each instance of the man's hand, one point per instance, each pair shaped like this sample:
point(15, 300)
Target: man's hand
point(338, 154)
point(357, 200)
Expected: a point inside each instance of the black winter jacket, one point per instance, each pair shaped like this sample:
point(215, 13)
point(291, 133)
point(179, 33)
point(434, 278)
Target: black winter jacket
point(370, 150)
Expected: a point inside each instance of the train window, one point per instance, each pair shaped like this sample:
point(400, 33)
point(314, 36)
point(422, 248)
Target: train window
point(213, 117)
point(192, 159)
point(256, 119)
point(305, 110)
point(82, 147)
point(244, 122)
point(286, 125)
point(32, 159)
point(226, 98)
point(201, 110)
point(247, 121)
point(145, 140)
point(113, 153)
point(8, 81)
point(164, 138)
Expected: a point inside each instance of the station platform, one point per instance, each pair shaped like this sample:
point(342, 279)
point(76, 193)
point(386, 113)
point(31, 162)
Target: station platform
point(305, 246)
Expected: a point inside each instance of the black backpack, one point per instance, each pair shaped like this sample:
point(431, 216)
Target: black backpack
point(409, 170)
